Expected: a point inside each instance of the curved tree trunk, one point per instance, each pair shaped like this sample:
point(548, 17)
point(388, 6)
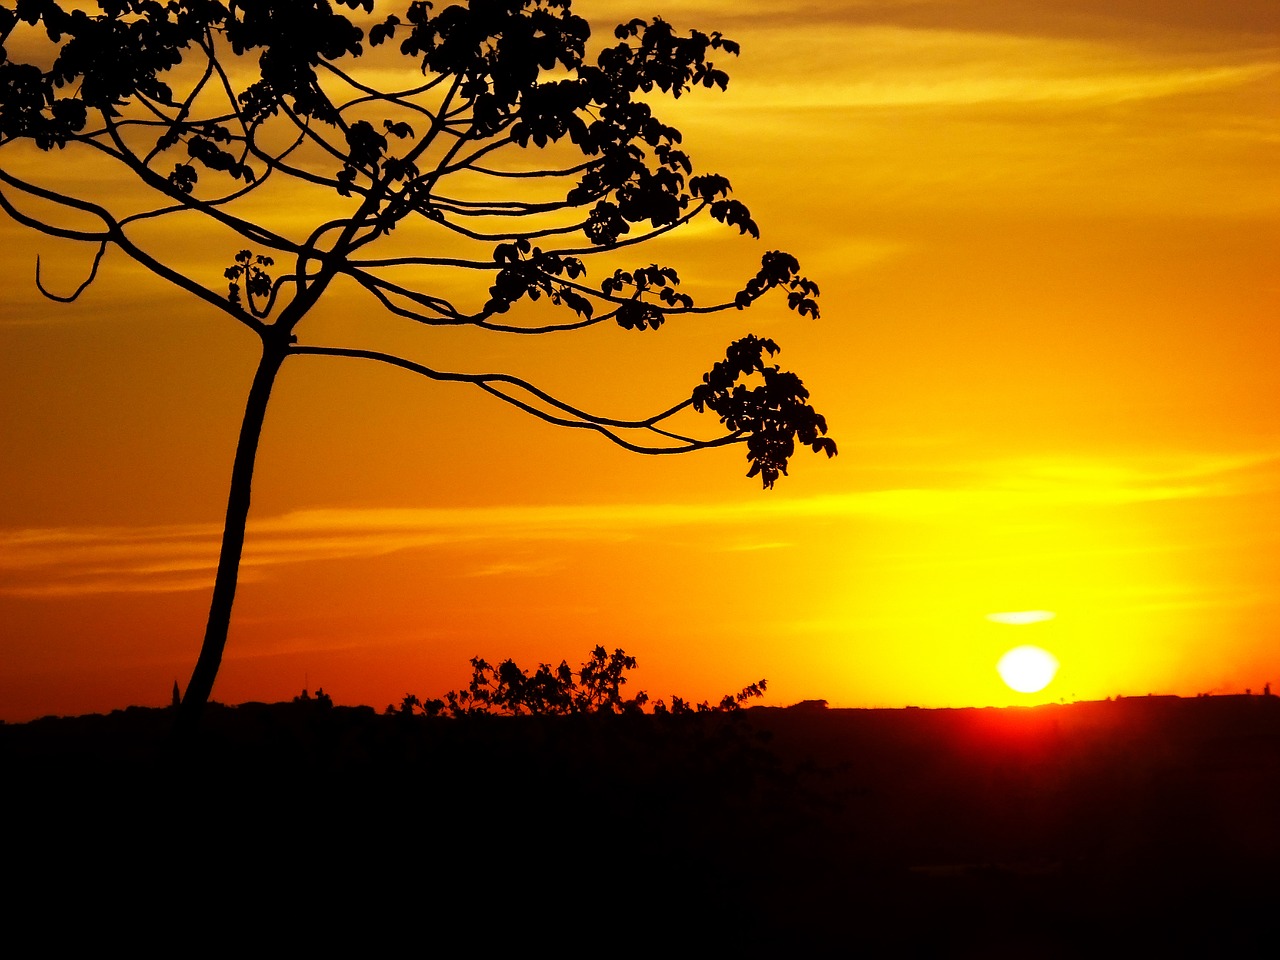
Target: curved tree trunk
point(224, 585)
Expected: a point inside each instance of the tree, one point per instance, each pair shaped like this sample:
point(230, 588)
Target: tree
point(507, 154)
point(595, 687)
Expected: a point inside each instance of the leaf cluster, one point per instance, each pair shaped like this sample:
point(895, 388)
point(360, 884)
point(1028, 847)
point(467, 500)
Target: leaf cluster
point(252, 270)
point(778, 269)
point(637, 313)
point(526, 270)
point(773, 415)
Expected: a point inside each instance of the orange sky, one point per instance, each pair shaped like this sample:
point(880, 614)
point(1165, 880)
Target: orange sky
point(1047, 237)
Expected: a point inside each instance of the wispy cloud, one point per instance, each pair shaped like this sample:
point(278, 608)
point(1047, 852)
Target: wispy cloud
point(944, 88)
point(898, 67)
point(512, 568)
point(58, 562)
point(1167, 21)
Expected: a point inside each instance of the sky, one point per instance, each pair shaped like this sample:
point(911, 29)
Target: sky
point(1047, 237)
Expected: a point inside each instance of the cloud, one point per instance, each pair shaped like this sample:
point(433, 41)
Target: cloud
point(513, 568)
point(942, 89)
point(951, 114)
point(1188, 21)
point(59, 562)
point(898, 67)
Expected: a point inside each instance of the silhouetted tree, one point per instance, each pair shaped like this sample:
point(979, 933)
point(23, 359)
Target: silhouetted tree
point(478, 138)
point(595, 687)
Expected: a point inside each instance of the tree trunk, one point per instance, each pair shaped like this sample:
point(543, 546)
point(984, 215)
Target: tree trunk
point(224, 584)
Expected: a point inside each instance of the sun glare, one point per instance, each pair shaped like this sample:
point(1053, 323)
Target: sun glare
point(1021, 616)
point(1027, 669)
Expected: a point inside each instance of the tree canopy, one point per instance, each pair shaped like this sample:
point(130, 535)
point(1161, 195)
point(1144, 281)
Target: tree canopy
point(483, 140)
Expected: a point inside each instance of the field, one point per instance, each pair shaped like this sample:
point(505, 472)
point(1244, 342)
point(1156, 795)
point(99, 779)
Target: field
point(1141, 825)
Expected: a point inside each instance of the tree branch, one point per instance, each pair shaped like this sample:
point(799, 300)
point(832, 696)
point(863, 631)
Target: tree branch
point(400, 97)
point(93, 273)
point(114, 234)
point(631, 241)
point(500, 237)
point(250, 231)
point(535, 174)
point(581, 419)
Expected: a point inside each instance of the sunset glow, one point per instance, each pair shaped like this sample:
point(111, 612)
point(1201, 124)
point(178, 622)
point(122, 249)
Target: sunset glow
point(1047, 238)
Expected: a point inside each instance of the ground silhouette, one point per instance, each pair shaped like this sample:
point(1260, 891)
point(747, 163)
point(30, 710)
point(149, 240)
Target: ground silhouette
point(1144, 825)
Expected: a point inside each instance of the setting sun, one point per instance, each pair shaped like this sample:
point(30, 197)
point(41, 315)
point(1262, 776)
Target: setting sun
point(1027, 669)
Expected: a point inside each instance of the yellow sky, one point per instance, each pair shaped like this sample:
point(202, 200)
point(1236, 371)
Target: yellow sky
point(1047, 237)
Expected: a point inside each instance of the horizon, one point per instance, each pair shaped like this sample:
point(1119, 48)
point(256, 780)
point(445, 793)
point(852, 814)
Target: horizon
point(818, 705)
point(1047, 242)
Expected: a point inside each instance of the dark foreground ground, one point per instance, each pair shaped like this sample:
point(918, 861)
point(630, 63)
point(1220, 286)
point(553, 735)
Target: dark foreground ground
point(1139, 827)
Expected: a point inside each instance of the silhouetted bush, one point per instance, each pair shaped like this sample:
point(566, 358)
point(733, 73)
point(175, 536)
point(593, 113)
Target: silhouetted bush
point(595, 687)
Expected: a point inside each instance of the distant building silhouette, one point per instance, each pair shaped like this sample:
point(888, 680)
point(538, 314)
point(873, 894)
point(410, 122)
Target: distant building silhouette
point(809, 705)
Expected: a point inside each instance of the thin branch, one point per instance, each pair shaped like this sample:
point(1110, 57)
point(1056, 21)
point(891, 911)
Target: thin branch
point(207, 45)
point(277, 163)
point(272, 161)
point(398, 96)
point(342, 223)
point(93, 274)
point(466, 162)
point(316, 138)
point(498, 237)
point(183, 113)
point(400, 104)
point(374, 96)
point(438, 124)
point(276, 286)
point(161, 118)
point(250, 231)
point(486, 381)
point(632, 241)
point(609, 434)
point(114, 234)
point(166, 272)
point(549, 327)
point(423, 262)
point(46, 228)
point(667, 309)
point(215, 202)
point(500, 208)
point(448, 317)
point(439, 304)
point(535, 174)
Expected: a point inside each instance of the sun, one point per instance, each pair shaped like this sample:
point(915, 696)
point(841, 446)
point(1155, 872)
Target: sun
point(1027, 669)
